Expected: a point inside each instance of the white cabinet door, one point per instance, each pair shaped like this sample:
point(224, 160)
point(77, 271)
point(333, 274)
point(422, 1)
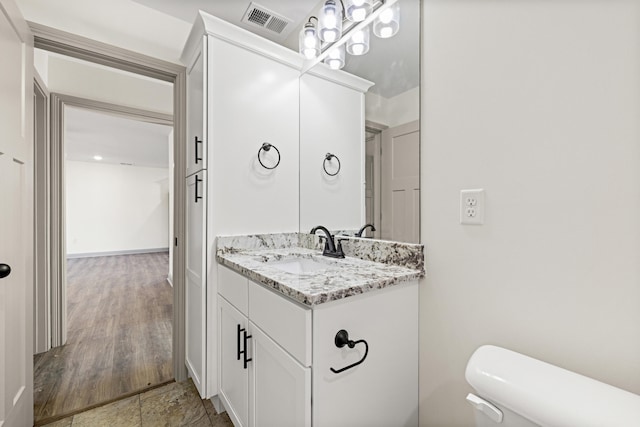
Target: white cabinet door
point(196, 111)
point(382, 391)
point(253, 100)
point(280, 386)
point(16, 190)
point(331, 121)
point(234, 371)
point(196, 279)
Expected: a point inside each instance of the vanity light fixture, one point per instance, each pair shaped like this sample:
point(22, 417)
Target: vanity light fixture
point(327, 42)
point(97, 157)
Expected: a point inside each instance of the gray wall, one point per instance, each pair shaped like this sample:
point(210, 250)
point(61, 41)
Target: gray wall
point(537, 102)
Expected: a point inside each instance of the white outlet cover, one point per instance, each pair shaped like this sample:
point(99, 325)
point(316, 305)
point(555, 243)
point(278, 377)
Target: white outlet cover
point(472, 207)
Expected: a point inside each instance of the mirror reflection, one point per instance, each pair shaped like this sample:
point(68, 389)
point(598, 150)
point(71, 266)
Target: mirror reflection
point(389, 169)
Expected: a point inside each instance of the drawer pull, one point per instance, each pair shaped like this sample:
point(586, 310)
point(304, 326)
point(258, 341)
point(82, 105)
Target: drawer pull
point(238, 340)
point(245, 338)
point(342, 339)
point(197, 141)
point(197, 181)
point(246, 359)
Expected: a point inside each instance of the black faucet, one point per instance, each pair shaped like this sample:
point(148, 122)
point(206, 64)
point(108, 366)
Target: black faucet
point(359, 233)
point(330, 248)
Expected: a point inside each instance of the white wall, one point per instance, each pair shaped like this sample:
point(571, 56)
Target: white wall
point(41, 64)
point(123, 23)
point(115, 208)
point(537, 102)
point(400, 109)
point(79, 78)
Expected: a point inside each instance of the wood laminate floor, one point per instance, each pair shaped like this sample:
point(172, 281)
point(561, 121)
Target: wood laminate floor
point(173, 405)
point(119, 318)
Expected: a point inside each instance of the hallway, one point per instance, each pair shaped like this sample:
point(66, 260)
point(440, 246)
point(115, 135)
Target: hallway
point(119, 316)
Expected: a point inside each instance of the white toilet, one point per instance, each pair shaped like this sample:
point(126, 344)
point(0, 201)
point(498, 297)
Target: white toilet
point(515, 390)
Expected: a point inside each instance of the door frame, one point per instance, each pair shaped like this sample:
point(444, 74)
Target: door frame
point(58, 198)
point(42, 256)
point(376, 129)
point(72, 45)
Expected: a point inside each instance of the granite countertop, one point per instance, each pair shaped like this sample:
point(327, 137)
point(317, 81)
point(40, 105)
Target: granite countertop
point(369, 265)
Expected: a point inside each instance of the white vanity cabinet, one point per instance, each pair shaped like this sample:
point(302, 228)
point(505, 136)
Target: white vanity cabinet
point(261, 383)
point(290, 352)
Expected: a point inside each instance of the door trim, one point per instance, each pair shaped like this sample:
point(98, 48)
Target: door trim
point(64, 43)
point(42, 282)
point(58, 254)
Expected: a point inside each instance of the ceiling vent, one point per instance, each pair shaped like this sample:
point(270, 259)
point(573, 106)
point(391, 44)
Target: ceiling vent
point(259, 16)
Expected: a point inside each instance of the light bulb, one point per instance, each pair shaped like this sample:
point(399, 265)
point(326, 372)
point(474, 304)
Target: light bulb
point(386, 16)
point(357, 10)
point(335, 58)
point(387, 23)
point(358, 43)
point(308, 41)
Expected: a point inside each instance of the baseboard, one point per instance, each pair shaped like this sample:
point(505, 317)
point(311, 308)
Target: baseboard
point(112, 253)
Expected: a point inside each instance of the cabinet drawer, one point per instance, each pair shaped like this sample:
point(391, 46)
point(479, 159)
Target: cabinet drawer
point(234, 288)
point(286, 322)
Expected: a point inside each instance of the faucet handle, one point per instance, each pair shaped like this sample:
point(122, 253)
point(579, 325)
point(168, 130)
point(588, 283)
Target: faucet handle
point(339, 251)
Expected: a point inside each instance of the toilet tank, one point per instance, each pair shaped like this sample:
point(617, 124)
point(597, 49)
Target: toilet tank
point(531, 392)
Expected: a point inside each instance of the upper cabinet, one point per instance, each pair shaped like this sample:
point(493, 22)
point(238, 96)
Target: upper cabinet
point(196, 109)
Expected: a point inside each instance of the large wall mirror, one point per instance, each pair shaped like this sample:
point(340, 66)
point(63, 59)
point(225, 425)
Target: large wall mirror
point(384, 168)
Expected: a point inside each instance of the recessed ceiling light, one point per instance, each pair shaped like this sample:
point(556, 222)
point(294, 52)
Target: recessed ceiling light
point(97, 157)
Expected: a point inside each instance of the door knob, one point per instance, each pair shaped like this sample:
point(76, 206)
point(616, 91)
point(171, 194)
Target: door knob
point(5, 270)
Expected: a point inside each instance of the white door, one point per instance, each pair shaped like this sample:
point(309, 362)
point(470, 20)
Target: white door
point(234, 371)
point(16, 219)
point(401, 183)
point(196, 279)
point(280, 387)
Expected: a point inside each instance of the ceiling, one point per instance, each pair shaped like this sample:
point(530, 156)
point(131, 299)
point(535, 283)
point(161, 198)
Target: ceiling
point(392, 64)
point(117, 139)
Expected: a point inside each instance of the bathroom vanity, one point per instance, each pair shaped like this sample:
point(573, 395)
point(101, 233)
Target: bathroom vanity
point(244, 91)
point(309, 340)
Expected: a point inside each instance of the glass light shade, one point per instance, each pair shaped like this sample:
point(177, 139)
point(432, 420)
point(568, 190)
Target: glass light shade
point(335, 59)
point(308, 43)
point(357, 10)
point(387, 23)
point(358, 43)
point(330, 22)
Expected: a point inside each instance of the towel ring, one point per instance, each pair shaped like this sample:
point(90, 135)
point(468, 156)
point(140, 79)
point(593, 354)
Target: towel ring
point(328, 158)
point(266, 147)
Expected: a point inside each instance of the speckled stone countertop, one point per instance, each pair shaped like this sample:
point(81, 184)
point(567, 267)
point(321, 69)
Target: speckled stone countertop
point(368, 265)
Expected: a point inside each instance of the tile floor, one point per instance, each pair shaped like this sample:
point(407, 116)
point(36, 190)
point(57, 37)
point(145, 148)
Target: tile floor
point(172, 405)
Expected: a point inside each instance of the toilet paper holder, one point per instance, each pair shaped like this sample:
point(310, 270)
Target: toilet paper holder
point(342, 339)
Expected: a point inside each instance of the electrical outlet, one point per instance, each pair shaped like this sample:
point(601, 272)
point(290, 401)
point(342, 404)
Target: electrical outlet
point(472, 207)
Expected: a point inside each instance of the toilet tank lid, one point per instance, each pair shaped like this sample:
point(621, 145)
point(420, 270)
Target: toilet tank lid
point(546, 394)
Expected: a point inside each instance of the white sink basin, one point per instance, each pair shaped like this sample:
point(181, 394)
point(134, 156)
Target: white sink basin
point(299, 265)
